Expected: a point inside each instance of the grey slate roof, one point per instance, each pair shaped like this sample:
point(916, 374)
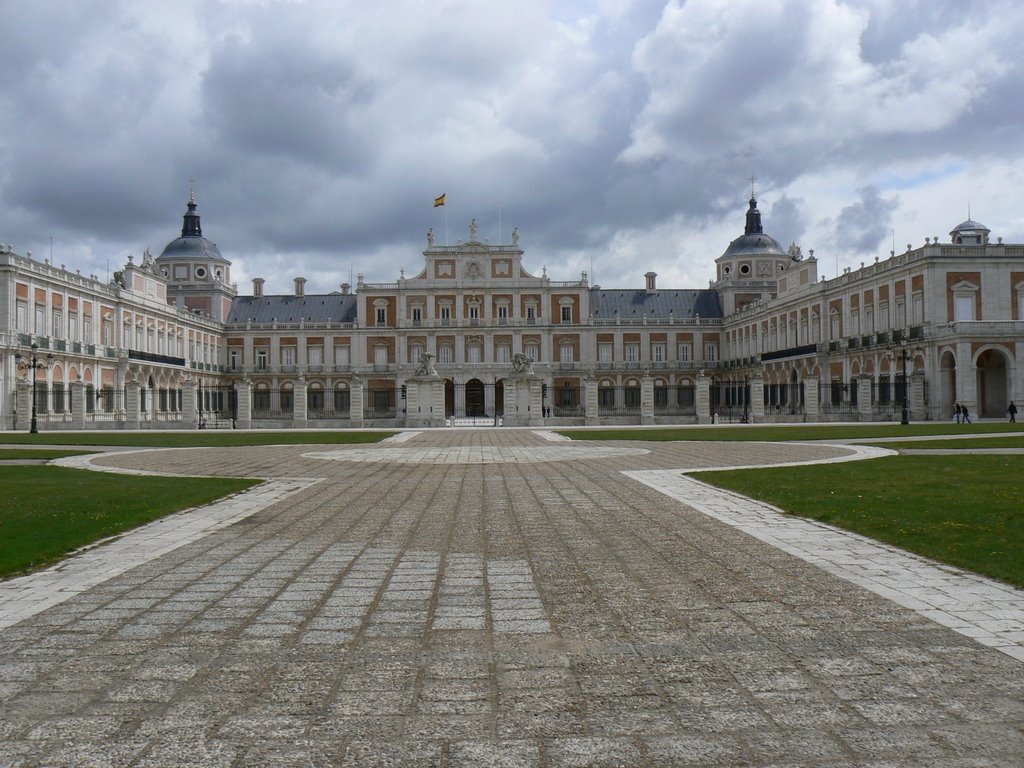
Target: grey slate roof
point(315, 308)
point(191, 247)
point(635, 303)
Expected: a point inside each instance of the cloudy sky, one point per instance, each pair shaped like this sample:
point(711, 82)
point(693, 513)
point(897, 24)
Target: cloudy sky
point(618, 135)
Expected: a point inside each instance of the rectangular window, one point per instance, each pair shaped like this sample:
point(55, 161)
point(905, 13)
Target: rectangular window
point(58, 324)
point(531, 313)
point(604, 352)
point(40, 321)
point(632, 353)
point(901, 314)
point(382, 316)
point(23, 317)
point(446, 314)
point(73, 327)
point(566, 315)
point(380, 355)
point(711, 352)
point(473, 353)
point(288, 356)
point(234, 359)
point(963, 308)
point(685, 353)
point(474, 311)
point(503, 313)
point(444, 354)
point(261, 359)
point(504, 353)
point(658, 353)
point(918, 310)
point(108, 333)
point(417, 315)
point(566, 353)
point(532, 351)
point(341, 355)
point(315, 355)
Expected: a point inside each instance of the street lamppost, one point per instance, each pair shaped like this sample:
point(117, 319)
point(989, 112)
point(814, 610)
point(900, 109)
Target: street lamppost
point(33, 364)
point(903, 354)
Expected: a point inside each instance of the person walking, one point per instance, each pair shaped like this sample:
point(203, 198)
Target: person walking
point(956, 411)
point(965, 415)
point(1012, 410)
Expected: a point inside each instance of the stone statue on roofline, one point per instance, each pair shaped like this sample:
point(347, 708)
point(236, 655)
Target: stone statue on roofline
point(522, 363)
point(425, 367)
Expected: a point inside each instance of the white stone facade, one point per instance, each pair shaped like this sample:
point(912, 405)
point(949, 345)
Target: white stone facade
point(171, 344)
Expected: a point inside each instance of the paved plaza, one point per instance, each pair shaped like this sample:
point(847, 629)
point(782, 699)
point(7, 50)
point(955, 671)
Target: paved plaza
point(503, 598)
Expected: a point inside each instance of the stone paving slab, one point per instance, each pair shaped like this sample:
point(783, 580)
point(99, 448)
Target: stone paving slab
point(989, 612)
point(544, 613)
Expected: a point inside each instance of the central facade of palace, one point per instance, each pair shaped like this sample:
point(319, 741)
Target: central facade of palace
point(475, 337)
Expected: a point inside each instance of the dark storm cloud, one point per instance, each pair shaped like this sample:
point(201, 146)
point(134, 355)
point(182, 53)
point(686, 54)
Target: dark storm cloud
point(614, 132)
point(863, 226)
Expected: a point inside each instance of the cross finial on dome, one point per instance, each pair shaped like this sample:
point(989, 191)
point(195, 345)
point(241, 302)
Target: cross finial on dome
point(192, 189)
point(752, 180)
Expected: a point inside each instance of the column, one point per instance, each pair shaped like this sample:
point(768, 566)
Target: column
point(78, 404)
point(591, 410)
point(864, 397)
point(756, 397)
point(132, 404)
point(811, 397)
point(356, 394)
point(189, 414)
point(23, 405)
point(916, 395)
point(966, 379)
point(299, 403)
point(703, 399)
point(243, 396)
point(646, 400)
point(437, 398)
point(511, 403)
point(536, 402)
point(489, 409)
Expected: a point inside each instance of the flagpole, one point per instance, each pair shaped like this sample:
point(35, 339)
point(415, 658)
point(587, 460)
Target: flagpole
point(445, 206)
point(499, 223)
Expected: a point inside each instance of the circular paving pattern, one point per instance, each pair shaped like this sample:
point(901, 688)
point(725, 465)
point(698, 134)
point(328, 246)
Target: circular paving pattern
point(475, 454)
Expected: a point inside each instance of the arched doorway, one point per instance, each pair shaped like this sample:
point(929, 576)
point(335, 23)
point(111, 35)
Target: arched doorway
point(475, 398)
point(992, 383)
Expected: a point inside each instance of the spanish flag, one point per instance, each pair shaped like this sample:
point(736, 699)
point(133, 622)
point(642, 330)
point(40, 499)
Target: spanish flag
point(439, 201)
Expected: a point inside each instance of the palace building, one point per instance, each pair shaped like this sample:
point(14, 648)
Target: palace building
point(475, 337)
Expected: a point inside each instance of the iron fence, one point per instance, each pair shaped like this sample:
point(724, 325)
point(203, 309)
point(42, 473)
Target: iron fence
point(679, 400)
point(272, 404)
point(837, 397)
point(324, 404)
point(784, 398)
point(381, 403)
point(566, 401)
point(618, 401)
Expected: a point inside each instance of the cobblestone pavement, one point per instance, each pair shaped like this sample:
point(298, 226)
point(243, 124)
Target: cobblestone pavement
point(492, 598)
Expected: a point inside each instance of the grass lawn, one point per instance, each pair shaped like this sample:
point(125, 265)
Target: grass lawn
point(788, 432)
point(198, 438)
point(1014, 441)
point(967, 511)
point(50, 511)
point(36, 453)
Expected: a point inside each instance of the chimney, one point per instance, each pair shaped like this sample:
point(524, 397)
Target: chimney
point(650, 277)
point(345, 289)
point(300, 286)
point(257, 286)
